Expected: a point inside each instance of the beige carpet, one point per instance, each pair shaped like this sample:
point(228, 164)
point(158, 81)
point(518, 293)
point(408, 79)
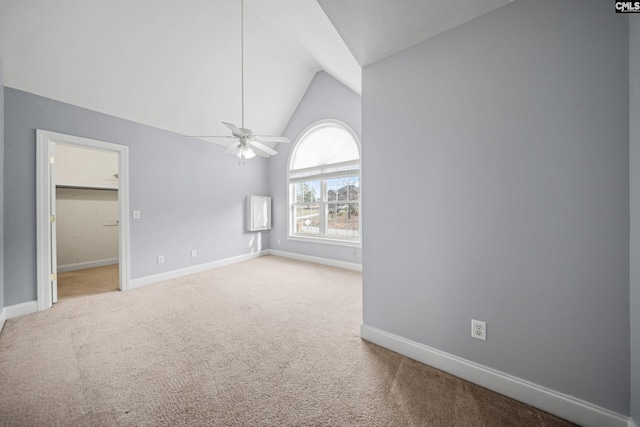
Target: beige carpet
point(90, 281)
point(267, 342)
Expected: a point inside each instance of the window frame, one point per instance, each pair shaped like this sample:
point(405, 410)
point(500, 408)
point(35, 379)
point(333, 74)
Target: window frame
point(323, 203)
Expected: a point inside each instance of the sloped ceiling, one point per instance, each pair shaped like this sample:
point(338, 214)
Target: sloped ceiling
point(374, 29)
point(175, 65)
point(169, 64)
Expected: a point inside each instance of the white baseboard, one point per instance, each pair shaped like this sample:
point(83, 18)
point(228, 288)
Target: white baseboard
point(632, 423)
point(318, 260)
point(87, 264)
point(148, 280)
point(3, 317)
point(21, 309)
point(559, 404)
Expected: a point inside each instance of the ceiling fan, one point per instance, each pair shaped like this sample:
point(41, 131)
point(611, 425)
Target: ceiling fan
point(246, 145)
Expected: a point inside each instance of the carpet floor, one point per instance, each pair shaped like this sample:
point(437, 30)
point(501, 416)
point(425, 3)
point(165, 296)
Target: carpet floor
point(267, 342)
point(89, 281)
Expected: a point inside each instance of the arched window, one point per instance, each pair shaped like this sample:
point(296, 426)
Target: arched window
point(324, 185)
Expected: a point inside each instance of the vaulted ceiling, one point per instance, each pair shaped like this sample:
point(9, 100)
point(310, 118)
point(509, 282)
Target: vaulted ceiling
point(176, 65)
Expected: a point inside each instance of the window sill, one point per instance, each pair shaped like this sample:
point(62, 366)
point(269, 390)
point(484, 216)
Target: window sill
point(326, 241)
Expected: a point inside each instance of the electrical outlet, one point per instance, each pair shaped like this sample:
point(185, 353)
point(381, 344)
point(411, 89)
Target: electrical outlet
point(479, 329)
point(194, 253)
point(160, 259)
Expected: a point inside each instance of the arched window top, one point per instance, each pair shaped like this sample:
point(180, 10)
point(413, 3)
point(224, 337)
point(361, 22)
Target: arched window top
point(325, 144)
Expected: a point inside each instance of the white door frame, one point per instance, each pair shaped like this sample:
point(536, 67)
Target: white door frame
point(45, 140)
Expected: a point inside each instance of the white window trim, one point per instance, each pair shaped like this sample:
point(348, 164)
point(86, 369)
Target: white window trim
point(326, 240)
point(322, 176)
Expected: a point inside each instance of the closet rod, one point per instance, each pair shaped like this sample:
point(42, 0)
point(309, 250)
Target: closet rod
point(83, 187)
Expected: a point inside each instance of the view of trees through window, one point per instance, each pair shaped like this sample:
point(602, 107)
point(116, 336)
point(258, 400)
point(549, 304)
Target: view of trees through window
point(336, 201)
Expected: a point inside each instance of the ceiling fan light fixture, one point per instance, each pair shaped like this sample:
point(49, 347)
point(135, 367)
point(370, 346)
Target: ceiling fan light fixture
point(244, 152)
point(248, 153)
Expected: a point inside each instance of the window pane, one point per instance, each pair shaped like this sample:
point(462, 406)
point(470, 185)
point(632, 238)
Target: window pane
point(307, 192)
point(324, 145)
point(297, 190)
point(346, 188)
point(353, 188)
point(311, 191)
point(343, 220)
point(332, 189)
point(307, 219)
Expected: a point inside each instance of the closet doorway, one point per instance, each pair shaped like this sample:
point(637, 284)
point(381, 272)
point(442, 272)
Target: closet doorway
point(82, 205)
point(87, 221)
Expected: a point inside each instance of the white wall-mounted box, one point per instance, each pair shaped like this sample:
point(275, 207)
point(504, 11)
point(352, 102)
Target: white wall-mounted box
point(258, 213)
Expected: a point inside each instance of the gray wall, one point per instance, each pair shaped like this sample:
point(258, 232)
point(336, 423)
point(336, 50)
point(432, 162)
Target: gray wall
point(1, 188)
point(634, 157)
point(505, 141)
point(191, 195)
point(325, 98)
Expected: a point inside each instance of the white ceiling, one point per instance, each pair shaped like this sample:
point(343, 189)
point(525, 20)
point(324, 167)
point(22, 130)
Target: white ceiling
point(374, 29)
point(175, 65)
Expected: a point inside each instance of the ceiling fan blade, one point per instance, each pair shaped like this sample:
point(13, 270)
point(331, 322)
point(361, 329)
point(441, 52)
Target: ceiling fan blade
point(259, 152)
point(260, 146)
point(211, 136)
point(214, 139)
point(234, 129)
point(232, 147)
point(265, 138)
point(247, 132)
